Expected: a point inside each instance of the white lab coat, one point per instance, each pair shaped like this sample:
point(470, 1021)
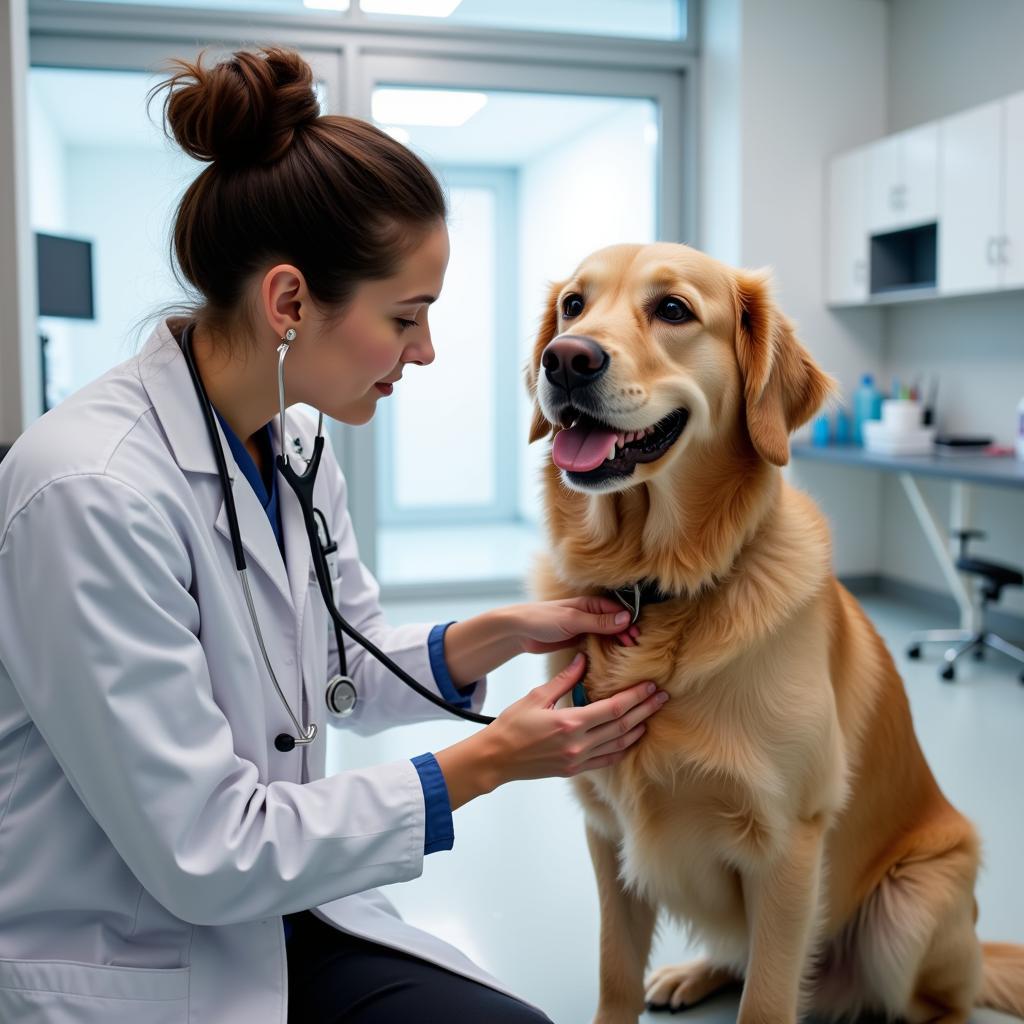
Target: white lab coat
point(150, 833)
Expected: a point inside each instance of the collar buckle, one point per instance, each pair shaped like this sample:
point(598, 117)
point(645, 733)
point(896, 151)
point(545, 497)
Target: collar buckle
point(629, 597)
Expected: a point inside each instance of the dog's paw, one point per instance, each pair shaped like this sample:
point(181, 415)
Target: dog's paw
point(678, 986)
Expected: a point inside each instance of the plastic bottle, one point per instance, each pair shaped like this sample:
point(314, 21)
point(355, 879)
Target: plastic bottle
point(867, 405)
point(1020, 429)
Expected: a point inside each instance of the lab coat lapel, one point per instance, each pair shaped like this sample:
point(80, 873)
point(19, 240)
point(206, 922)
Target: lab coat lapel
point(257, 534)
point(165, 376)
point(296, 543)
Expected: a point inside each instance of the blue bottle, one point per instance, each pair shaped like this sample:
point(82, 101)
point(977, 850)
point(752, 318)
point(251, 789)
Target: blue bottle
point(843, 429)
point(867, 405)
point(820, 431)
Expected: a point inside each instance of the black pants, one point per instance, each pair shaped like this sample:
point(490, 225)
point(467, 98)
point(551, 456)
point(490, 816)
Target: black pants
point(336, 978)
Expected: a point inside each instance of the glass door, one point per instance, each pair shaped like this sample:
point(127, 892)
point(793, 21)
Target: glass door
point(541, 166)
point(105, 178)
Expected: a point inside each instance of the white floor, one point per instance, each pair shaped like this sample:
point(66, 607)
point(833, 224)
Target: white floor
point(517, 893)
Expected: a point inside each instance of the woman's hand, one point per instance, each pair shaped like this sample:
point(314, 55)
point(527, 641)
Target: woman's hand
point(532, 739)
point(545, 626)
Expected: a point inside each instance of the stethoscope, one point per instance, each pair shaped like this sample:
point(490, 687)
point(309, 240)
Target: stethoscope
point(341, 695)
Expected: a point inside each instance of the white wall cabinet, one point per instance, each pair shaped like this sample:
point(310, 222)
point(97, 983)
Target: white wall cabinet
point(965, 173)
point(848, 237)
point(903, 177)
point(971, 199)
point(1012, 247)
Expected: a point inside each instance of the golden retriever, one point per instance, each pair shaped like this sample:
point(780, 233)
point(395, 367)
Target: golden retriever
point(779, 804)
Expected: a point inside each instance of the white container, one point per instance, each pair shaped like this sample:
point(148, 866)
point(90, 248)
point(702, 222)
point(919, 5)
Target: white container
point(1020, 429)
point(880, 439)
point(901, 415)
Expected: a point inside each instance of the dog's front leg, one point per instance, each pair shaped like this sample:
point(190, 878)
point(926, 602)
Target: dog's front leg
point(627, 927)
point(782, 898)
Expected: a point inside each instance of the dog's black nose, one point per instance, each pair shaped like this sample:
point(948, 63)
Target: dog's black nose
point(573, 361)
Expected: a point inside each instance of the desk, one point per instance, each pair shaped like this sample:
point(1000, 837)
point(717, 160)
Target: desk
point(962, 471)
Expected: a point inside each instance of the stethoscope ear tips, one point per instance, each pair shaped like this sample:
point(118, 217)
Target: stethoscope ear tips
point(284, 742)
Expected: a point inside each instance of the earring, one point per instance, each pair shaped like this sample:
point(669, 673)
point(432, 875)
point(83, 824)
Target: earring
point(289, 335)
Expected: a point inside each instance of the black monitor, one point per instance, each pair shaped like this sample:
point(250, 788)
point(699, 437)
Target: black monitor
point(64, 276)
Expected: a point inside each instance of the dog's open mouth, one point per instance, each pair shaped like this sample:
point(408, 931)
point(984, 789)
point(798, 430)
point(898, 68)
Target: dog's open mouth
point(592, 450)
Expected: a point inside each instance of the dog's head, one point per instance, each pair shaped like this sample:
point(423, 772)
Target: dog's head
point(648, 351)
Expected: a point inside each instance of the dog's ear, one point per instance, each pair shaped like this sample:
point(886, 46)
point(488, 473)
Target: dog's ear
point(782, 385)
point(539, 425)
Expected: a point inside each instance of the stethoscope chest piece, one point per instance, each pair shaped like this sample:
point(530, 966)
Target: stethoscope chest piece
point(341, 696)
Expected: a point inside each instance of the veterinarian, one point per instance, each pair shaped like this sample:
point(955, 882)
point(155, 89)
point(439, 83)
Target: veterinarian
point(170, 849)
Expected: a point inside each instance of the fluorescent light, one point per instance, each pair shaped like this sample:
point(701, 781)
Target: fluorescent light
point(651, 133)
point(327, 5)
point(420, 8)
point(398, 134)
point(438, 108)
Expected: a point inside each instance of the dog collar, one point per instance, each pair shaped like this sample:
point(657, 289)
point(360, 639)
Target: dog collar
point(633, 596)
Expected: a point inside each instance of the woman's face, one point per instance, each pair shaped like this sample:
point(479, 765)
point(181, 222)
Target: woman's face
point(337, 369)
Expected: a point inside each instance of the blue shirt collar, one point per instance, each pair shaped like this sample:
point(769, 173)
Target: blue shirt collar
point(246, 463)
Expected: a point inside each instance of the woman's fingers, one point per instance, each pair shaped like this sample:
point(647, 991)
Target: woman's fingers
point(611, 708)
point(604, 761)
point(623, 741)
point(594, 603)
point(626, 723)
point(562, 683)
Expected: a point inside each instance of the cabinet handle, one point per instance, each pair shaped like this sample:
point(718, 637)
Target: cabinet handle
point(991, 251)
point(1004, 245)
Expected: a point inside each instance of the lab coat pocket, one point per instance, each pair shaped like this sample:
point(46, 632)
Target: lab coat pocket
point(66, 992)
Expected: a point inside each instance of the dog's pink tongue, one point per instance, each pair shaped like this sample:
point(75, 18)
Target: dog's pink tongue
point(581, 449)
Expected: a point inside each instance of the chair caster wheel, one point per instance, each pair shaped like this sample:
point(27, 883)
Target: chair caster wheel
point(979, 654)
point(948, 673)
point(914, 651)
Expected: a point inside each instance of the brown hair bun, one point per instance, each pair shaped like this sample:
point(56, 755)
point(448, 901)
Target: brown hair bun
point(245, 110)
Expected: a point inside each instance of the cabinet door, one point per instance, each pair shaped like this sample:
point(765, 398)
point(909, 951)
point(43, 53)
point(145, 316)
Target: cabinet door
point(1012, 248)
point(847, 231)
point(970, 206)
point(885, 176)
point(919, 195)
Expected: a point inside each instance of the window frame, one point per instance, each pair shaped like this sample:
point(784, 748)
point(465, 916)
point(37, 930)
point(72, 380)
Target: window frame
point(350, 51)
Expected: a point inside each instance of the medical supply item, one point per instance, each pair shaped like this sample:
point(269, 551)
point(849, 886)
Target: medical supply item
point(844, 431)
point(899, 431)
point(820, 431)
point(867, 404)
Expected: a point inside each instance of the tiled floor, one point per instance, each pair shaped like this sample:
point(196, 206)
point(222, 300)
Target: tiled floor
point(517, 892)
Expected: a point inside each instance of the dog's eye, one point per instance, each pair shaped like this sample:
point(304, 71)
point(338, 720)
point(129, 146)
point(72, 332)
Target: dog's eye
point(572, 305)
point(675, 311)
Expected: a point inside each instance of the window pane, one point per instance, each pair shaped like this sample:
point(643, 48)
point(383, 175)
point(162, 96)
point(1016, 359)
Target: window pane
point(649, 19)
point(443, 440)
point(101, 170)
point(580, 173)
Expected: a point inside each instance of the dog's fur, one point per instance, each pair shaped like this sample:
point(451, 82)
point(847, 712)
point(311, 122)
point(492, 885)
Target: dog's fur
point(779, 805)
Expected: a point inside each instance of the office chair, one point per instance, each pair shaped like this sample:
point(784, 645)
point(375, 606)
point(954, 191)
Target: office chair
point(992, 578)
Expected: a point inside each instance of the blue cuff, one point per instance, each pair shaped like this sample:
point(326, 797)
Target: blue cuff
point(440, 832)
point(443, 678)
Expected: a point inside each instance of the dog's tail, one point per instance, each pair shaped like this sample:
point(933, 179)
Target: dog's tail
point(1002, 986)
